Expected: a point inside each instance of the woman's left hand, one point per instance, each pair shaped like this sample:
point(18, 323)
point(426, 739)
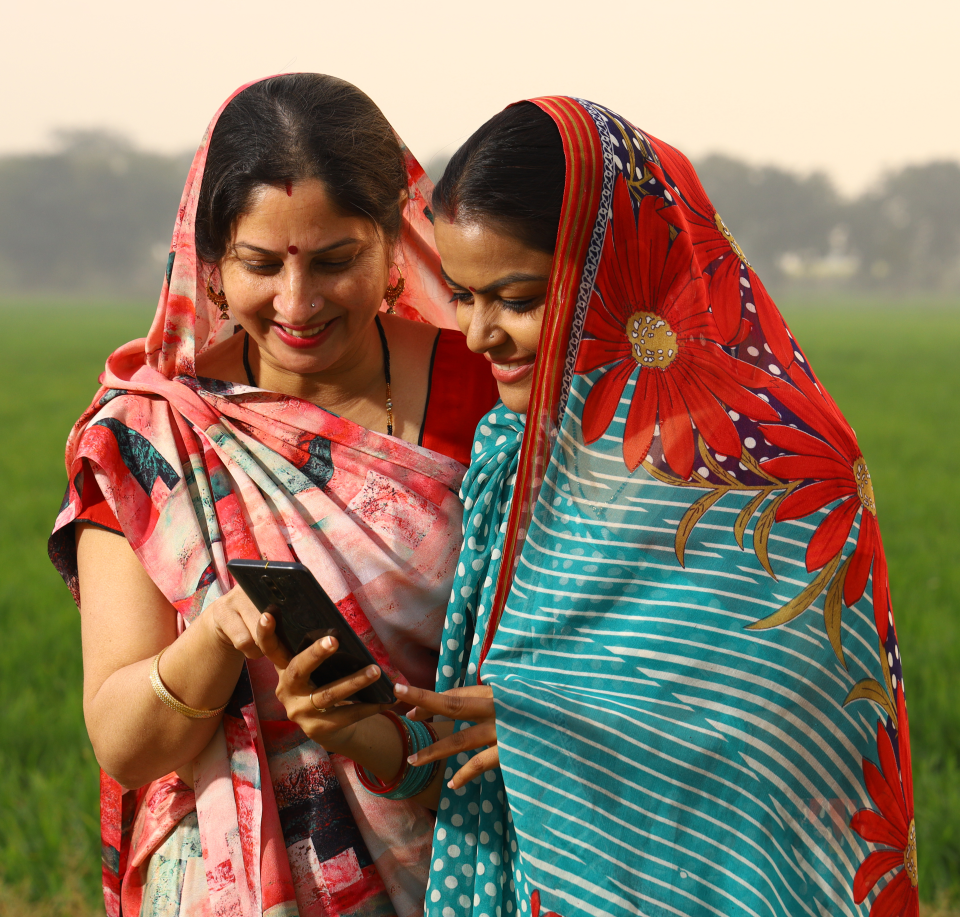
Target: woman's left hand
point(473, 703)
point(325, 714)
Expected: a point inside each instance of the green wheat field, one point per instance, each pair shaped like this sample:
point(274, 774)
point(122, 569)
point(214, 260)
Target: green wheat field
point(894, 368)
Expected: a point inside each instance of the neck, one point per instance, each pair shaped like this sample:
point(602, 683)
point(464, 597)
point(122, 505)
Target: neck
point(354, 387)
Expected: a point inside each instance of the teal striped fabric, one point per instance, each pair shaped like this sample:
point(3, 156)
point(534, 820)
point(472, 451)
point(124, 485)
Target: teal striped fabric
point(659, 758)
point(699, 710)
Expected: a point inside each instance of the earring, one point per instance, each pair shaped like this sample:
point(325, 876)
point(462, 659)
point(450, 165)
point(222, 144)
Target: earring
point(218, 299)
point(394, 292)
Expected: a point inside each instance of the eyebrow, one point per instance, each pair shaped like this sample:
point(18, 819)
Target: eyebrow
point(316, 251)
point(505, 281)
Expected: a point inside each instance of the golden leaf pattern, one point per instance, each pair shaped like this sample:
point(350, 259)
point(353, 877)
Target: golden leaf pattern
point(833, 609)
point(800, 603)
point(870, 689)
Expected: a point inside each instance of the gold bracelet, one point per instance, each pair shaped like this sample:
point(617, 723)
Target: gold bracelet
point(161, 691)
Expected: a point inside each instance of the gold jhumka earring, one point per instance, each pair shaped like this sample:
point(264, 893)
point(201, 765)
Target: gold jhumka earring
point(393, 293)
point(218, 299)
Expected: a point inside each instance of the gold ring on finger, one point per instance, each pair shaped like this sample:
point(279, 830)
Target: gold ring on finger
point(315, 707)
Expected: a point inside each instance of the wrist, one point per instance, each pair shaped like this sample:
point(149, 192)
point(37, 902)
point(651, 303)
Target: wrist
point(409, 781)
point(372, 743)
point(215, 637)
point(344, 741)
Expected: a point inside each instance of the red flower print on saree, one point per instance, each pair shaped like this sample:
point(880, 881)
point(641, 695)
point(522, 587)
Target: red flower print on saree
point(648, 316)
point(535, 907)
point(893, 826)
point(836, 470)
point(714, 246)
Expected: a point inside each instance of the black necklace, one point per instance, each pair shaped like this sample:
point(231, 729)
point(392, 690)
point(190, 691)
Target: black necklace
point(251, 380)
point(386, 373)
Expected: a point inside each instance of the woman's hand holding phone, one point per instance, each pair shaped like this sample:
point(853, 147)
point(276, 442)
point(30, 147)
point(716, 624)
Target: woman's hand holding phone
point(323, 713)
point(233, 621)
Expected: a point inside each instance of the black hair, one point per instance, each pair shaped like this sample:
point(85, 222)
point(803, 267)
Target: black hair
point(510, 174)
point(296, 127)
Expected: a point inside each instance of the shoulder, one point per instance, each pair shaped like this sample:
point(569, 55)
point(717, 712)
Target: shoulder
point(453, 361)
point(131, 434)
point(412, 339)
point(462, 391)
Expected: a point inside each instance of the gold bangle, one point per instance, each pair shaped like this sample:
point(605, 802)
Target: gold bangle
point(166, 697)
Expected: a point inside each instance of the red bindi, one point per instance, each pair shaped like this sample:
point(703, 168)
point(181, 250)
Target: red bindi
point(292, 249)
point(472, 289)
point(289, 189)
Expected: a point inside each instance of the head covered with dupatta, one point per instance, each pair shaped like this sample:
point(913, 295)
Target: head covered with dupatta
point(674, 581)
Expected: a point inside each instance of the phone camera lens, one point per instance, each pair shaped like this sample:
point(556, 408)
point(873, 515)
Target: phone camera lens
point(273, 589)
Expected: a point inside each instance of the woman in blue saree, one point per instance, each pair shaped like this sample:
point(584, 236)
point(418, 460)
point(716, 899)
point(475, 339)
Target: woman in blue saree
point(672, 578)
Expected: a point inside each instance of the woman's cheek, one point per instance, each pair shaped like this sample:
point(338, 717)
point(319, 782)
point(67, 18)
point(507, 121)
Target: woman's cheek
point(357, 292)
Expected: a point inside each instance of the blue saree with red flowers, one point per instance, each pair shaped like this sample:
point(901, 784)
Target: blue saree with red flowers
point(673, 580)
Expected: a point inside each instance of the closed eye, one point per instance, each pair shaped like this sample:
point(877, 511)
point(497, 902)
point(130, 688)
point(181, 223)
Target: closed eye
point(262, 267)
point(334, 265)
point(521, 305)
point(272, 267)
point(461, 297)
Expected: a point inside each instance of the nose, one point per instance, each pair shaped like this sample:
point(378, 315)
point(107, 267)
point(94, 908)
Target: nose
point(483, 331)
point(296, 300)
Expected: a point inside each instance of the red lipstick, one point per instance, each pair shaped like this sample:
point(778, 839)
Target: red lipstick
point(510, 376)
point(302, 343)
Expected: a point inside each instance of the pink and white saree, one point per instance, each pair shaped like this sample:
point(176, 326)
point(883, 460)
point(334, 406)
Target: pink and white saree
point(198, 471)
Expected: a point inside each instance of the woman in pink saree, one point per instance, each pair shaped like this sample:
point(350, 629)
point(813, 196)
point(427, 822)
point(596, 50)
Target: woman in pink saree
point(273, 411)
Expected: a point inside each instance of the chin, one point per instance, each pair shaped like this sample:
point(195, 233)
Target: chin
point(514, 399)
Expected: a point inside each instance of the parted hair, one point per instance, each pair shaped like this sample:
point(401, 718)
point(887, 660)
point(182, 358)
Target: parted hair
point(295, 127)
point(509, 174)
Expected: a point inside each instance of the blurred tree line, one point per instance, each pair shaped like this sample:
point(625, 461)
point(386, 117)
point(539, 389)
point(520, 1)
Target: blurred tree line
point(902, 235)
point(93, 218)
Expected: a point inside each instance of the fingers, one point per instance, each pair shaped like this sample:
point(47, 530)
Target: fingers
point(295, 688)
point(342, 689)
point(236, 632)
point(301, 666)
point(242, 606)
point(270, 645)
point(234, 619)
point(471, 703)
point(325, 714)
point(486, 760)
point(478, 736)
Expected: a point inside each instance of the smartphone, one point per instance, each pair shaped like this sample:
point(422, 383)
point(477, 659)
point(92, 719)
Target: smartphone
point(304, 614)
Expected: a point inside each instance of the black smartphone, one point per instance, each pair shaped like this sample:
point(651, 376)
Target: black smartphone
point(305, 613)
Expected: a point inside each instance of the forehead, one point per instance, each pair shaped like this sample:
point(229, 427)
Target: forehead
point(475, 254)
point(301, 207)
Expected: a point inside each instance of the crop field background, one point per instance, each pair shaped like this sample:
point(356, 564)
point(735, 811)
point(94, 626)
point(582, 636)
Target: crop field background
point(893, 367)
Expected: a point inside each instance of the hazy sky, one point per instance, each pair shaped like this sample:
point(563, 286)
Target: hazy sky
point(846, 86)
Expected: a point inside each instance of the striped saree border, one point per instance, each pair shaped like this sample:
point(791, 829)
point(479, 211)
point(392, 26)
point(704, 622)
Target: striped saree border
point(578, 216)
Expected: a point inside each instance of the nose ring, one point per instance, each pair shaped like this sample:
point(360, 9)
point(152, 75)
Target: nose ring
point(313, 305)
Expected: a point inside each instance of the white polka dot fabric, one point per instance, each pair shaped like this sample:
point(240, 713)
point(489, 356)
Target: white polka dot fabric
point(473, 870)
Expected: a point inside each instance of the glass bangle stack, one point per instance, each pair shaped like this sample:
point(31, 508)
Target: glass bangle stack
point(410, 781)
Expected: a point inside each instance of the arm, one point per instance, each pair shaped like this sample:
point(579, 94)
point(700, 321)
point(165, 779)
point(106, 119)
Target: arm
point(125, 622)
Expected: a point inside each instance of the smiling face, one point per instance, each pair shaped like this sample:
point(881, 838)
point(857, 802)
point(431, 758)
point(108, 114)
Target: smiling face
point(305, 281)
point(500, 286)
